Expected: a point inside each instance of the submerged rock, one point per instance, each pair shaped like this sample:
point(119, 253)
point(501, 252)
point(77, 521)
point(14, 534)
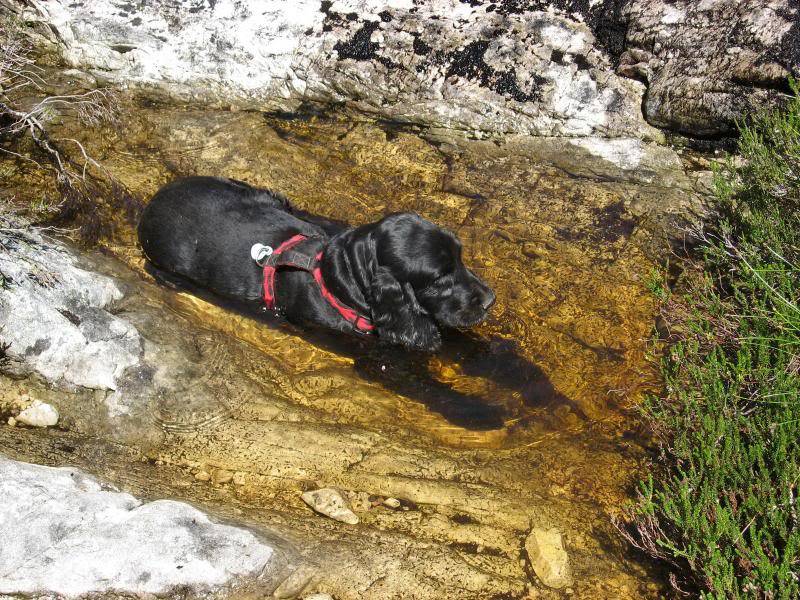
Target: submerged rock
point(38, 414)
point(548, 558)
point(391, 503)
point(66, 534)
point(329, 502)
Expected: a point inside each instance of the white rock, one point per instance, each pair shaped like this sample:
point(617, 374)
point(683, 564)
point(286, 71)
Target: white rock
point(626, 153)
point(329, 502)
point(276, 54)
point(54, 316)
point(548, 558)
point(318, 596)
point(66, 534)
point(392, 502)
point(38, 414)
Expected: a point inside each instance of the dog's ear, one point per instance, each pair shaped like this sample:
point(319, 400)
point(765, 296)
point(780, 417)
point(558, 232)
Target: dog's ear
point(397, 315)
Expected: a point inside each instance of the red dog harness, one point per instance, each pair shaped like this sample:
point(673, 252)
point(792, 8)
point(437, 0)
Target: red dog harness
point(287, 255)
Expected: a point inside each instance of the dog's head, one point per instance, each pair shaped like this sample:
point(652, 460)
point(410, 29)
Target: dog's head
point(419, 282)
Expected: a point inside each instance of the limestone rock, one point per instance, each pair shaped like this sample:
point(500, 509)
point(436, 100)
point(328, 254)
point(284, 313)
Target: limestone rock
point(470, 66)
point(221, 476)
point(480, 67)
point(66, 534)
point(329, 502)
point(61, 320)
point(38, 414)
point(708, 63)
point(548, 558)
point(55, 316)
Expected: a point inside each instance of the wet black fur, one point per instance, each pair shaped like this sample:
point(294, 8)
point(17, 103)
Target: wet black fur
point(403, 272)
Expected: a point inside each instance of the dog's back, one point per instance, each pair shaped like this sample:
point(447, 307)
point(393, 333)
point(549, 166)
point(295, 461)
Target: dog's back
point(202, 229)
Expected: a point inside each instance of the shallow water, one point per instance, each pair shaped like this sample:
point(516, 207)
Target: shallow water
point(531, 408)
point(565, 343)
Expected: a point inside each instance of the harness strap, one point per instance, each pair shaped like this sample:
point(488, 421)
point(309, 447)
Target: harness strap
point(271, 265)
point(349, 315)
point(289, 256)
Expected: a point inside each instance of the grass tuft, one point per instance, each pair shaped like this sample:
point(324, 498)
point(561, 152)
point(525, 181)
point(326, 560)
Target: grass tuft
point(722, 504)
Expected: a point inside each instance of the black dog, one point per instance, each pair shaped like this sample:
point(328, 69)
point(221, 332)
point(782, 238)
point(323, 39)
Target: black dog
point(400, 278)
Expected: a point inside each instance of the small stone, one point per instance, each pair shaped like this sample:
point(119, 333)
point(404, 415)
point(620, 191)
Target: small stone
point(38, 414)
point(202, 476)
point(239, 478)
point(392, 503)
point(548, 558)
point(12, 421)
point(318, 596)
point(329, 502)
point(221, 476)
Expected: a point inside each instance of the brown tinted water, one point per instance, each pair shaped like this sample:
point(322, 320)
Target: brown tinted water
point(564, 345)
point(524, 420)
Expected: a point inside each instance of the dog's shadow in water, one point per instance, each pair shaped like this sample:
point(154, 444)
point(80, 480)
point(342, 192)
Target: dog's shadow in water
point(496, 360)
point(406, 372)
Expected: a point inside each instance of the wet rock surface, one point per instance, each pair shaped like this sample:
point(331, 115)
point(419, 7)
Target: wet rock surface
point(520, 424)
point(66, 534)
point(329, 502)
point(548, 558)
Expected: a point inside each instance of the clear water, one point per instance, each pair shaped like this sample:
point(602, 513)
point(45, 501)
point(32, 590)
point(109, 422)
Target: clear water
point(535, 403)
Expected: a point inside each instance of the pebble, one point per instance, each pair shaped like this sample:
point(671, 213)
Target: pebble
point(392, 502)
point(221, 476)
point(329, 502)
point(38, 414)
point(548, 557)
point(202, 476)
point(318, 596)
point(12, 421)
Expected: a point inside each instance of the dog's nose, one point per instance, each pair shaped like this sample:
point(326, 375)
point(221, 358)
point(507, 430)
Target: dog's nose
point(488, 300)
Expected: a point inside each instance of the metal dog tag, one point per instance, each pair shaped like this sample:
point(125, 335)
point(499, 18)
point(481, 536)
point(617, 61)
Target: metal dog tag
point(260, 252)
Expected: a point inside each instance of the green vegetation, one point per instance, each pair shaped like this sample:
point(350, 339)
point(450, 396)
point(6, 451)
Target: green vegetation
point(722, 504)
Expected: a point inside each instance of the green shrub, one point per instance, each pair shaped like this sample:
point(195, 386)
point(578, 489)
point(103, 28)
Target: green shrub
point(721, 507)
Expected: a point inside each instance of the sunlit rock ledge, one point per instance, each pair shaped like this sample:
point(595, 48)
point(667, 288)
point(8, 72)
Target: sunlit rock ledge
point(445, 63)
point(67, 534)
point(537, 67)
